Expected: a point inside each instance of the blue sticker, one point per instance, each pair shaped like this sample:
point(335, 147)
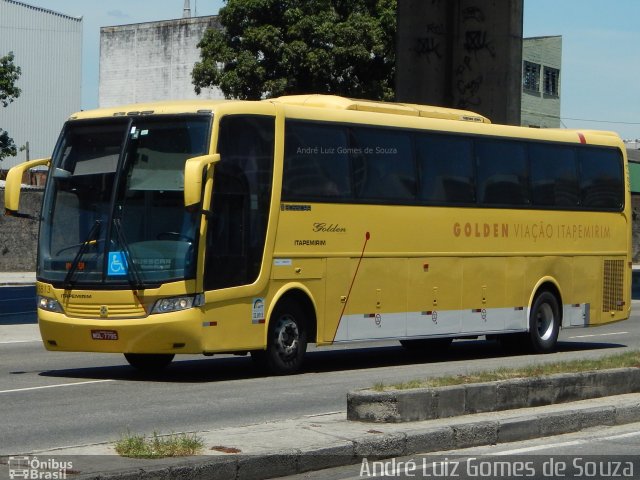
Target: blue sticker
point(117, 263)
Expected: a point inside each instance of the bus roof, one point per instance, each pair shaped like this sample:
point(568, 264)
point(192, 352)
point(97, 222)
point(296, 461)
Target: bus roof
point(157, 107)
point(319, 101)
point(412, 109)
point(333, 103)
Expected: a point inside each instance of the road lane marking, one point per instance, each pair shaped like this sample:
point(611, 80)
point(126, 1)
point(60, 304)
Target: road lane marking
point(516, 451)
point(564, 444)
point(19, 341)
point(55, 386)
point(622, 435)
point(312, 415)
point(601, 335)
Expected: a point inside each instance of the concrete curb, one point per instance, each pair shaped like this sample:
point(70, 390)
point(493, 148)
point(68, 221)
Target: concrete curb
point(377, 445)
point(443, 402)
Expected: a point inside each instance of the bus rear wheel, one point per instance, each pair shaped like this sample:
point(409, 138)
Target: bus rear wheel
point(286, 340)
point(544, 323)
point(149, 362)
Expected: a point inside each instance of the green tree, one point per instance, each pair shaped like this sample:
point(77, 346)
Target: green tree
point(269, 48)
point(9, 75)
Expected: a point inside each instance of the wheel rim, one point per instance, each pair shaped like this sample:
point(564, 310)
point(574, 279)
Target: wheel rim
point(287, 337)
point(545, 321)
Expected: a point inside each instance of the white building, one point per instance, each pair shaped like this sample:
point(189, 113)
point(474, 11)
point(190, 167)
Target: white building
point(151, 61)
point(48, 48)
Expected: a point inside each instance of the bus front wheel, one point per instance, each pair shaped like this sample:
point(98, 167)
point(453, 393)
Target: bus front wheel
point(286, 340)
point(544, 323)
point(149, 362)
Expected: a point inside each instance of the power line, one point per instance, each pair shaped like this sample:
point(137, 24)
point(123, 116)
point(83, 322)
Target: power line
point(539, 114)
point(600, 121)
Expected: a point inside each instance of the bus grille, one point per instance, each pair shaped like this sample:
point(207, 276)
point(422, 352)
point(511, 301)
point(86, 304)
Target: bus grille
point(613, 286)
point(114, 311)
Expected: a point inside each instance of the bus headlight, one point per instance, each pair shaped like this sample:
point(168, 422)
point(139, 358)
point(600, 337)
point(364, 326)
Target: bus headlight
point(49, 304)
point(175, 304)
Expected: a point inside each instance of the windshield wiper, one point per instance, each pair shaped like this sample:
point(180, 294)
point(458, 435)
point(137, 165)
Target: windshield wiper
point(92, 235)
point(136, 282)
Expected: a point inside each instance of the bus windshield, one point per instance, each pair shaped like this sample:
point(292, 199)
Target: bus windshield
point(113, 210)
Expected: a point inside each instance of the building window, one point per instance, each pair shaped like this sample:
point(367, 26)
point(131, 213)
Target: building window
point(531, 77)
point(551, 81)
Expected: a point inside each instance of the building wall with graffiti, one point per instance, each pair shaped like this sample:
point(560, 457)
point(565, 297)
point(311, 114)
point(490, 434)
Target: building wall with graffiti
point(462, 54)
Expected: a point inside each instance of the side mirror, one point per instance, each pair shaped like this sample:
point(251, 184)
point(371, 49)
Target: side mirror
point(193, 173)
point(13, 185)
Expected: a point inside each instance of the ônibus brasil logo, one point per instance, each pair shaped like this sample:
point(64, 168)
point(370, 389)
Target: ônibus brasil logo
point(35, 468)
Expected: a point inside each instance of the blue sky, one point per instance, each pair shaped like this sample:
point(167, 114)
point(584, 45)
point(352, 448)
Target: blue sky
point(600, 58)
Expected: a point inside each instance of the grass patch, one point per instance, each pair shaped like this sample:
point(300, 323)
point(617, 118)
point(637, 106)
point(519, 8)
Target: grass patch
point(159, 446)
point(629, 359)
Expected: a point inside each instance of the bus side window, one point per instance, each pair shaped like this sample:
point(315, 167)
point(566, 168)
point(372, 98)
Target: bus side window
point(316, 163)
point(601, 178)
point(554, 175)
point(446, 169)
point(384, 164)
point(502, 172)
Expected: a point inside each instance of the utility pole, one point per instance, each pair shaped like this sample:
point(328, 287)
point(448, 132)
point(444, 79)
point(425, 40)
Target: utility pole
point(27, 174)
point(186, 11)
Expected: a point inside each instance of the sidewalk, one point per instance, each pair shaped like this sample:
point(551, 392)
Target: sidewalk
point(317, 442)
point(15, 279)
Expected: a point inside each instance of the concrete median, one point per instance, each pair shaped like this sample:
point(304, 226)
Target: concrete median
point(442, 402)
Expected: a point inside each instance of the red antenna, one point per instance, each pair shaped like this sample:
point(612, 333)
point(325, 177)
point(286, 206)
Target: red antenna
point(367, 236)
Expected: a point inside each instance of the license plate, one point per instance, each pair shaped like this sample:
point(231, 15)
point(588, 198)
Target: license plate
point(104, 334)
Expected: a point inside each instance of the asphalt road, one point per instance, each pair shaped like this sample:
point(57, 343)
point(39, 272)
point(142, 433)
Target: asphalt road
point(53, 399)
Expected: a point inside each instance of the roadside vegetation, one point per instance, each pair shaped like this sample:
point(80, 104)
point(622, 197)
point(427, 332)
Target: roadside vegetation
point(159, 446)
point(9, 75)
point(630, 359)
point(267, 49)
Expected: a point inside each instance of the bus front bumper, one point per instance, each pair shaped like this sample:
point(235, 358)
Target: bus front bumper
point(176, 332)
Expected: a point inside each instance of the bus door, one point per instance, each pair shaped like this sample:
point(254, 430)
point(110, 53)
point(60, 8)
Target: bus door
point(241, 200)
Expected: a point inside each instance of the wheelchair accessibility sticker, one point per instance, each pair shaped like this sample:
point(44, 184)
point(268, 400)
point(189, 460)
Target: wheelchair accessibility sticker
point(117, 263)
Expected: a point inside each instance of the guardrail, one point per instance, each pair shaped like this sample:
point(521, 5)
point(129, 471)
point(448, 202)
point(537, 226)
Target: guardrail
point(18, 304)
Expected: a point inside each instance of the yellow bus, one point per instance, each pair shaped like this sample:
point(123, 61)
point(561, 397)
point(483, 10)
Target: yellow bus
point(259, 227)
